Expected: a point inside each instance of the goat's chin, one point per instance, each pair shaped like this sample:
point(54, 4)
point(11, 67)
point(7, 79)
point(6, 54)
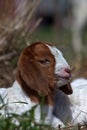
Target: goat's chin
point(61, 82)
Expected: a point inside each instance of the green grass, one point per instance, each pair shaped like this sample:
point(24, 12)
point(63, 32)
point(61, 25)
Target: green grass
point(25, 121)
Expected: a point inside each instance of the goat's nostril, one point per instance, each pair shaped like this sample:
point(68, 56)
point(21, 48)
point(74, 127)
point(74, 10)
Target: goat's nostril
point(68, 70)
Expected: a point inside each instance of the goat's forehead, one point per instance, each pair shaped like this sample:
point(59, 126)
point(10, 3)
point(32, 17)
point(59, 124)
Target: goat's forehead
point(60, 60)
point(56, 52)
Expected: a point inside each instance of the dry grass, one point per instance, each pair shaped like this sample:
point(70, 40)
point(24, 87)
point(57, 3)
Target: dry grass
point(78, 127)
point(15, 29)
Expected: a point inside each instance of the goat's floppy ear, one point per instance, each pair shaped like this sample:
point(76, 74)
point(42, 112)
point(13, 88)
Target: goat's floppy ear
point(32, 75)
point(67, 89)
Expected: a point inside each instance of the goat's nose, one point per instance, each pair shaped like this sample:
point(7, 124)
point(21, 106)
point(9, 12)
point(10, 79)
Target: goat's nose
point(64, 72)
point(67, 72)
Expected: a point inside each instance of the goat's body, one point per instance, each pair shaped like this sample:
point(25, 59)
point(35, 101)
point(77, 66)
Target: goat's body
point(68, 109)
point(18, 102)
point(73, 108)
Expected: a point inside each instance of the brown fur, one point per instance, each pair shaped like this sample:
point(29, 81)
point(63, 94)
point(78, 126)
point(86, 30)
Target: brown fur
point(36, 77)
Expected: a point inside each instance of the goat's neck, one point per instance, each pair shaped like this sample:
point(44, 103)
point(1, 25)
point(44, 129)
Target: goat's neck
point(62, 106)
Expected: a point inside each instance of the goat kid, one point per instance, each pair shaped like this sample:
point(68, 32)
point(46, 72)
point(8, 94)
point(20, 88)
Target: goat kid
point(41, 69)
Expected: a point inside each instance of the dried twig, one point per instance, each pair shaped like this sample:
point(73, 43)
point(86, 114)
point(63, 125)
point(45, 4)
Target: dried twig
point(7, 56)
point(35, 26)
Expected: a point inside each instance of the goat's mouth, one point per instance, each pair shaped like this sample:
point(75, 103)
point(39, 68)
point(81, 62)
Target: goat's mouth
point(64, 85)
point(61, 82)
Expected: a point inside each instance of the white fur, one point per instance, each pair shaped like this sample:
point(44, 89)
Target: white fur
point(60, 60)
point(61, 63)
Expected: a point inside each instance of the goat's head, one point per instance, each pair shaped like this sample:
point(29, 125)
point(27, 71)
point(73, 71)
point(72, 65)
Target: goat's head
point(42, 68)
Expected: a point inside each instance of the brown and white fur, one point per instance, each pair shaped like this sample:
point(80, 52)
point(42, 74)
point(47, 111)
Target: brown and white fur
point(41, 70)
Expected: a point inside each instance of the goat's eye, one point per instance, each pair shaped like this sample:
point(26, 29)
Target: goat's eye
point(44, 62)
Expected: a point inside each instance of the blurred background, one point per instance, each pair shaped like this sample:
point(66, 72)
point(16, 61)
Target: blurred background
point(61, 22)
